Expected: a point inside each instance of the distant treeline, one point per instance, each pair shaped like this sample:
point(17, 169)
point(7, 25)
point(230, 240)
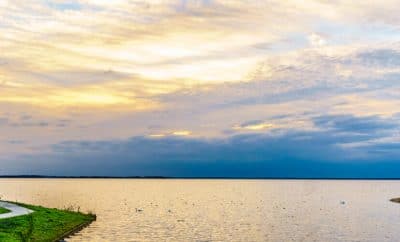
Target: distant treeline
point(101, 177)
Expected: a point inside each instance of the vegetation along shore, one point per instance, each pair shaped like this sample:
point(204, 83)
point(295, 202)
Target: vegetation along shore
point(40, 224)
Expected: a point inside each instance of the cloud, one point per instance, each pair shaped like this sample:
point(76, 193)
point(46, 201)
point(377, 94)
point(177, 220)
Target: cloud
point(65, 5)
point(181, 133)
point(200, 72)
point(349, 123)
point(380, 57)
point(171, 133)
point(316, 40)
point(24, 120)
point(278, 154)
point(3, 121)
point(93, 60)
point(253, 125)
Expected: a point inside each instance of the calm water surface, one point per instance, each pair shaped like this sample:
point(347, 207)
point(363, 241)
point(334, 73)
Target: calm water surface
point(221, 210)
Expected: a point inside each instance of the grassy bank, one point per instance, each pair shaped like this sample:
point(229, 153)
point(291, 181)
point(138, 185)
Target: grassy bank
point(3, 210)
point(45, 224)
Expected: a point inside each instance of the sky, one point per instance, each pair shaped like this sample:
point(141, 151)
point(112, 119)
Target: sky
point(200, 88)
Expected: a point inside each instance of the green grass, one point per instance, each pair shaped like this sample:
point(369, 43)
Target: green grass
point(3, 210)
point(43, 225)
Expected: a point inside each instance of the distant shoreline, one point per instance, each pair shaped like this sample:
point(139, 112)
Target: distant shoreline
point(196, 178)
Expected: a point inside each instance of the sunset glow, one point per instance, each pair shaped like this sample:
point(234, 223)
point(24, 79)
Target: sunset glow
point(76, 75)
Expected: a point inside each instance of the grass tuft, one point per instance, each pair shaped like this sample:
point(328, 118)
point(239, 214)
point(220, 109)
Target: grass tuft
point(4, 210)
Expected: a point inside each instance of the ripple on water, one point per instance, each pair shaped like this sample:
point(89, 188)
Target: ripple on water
point(222, 210)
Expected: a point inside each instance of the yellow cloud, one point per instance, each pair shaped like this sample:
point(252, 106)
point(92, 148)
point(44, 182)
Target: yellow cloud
point(254, 127)
point(165, 47)
point(174, 133)
point(156, 135)
point(181, 133)
point(81, 97)
point(199, 48)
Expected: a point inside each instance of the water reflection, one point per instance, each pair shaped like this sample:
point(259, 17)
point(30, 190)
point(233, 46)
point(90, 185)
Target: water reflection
point(221, 210)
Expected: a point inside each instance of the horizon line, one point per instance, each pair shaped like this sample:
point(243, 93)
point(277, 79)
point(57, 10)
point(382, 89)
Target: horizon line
point(196, 177)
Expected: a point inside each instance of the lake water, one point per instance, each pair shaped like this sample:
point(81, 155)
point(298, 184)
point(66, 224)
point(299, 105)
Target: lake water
point(221, 210)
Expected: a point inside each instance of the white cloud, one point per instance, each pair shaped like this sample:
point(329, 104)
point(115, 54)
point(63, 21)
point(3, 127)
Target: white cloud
point(116, 67)
point(317, 40)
